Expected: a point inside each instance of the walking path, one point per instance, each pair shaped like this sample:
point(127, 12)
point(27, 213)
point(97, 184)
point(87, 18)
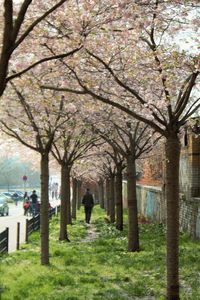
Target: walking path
point(92, 234)
point(11, 223)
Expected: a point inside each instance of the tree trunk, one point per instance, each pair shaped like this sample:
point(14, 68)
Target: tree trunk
point(63, 212)
point(119, 201)
point(74, 198)
point(96, 194)
point(112, 198)
point(133, 230)
point(172, 151)
point(68, 197)
point(101, 193)
point(4, 61)
point(79, 183)
point(107, 206)
point(44, 209)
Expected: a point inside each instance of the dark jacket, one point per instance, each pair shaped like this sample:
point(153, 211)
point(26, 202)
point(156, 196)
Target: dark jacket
point(88, 200)
point(34, 198)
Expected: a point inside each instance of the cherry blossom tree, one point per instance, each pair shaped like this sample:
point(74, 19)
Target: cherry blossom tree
point(144, 73)
point(34, 125)
point(118, 198)
point(73, 143)
point(16, 29)
point(131, 141)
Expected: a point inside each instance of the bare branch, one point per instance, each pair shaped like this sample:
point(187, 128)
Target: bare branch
point(36, 22)
point(189, 114)
point(132, 91)
point(12, 133)
point(180, 98)
point(20, 18)
point(186, 94)
point(85, 91)
point(42, 61)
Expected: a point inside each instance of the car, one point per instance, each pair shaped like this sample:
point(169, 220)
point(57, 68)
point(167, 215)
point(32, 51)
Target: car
point(17, 195)
point(4, 209)
point(7, 196)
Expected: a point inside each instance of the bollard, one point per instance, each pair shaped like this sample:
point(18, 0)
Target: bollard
point(18, 235)
point(26, 237)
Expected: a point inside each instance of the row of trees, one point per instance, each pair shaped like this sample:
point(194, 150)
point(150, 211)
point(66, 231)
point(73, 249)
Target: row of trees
point(120, 53)
point(147, 76)
point(53, 127)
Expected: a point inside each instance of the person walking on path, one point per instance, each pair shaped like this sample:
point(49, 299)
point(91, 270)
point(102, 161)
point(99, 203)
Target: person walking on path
point(34, 203)
point(26, 204)
point(88, 203)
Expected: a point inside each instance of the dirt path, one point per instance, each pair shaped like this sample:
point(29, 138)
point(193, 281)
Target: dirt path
point(92, 234)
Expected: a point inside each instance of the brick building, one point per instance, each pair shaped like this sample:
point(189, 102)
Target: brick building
point(190, 166)
point(151, 201)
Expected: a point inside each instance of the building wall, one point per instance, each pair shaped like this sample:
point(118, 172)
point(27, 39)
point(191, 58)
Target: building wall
point(190, 167)
point(185, 174)
point(151, 204)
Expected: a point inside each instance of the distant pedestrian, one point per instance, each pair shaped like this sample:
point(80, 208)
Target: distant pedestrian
point(26, 197)
point(88, 202)
point(56, 191)
point(15, 197)
point(34, 202)
point(26, 204)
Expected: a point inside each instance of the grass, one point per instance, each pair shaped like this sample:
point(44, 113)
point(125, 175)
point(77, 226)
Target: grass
point(98, 270)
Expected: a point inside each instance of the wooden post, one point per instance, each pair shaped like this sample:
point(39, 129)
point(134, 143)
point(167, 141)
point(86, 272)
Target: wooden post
point(34, 223)
point(18, 235)
point(26, 237)
point(7, 237)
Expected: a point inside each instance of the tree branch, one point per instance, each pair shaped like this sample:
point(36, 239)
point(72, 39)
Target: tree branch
point(20, 18)
point(86, 91)
point(36, 22)
point(127, 88)
point(42, 61)
point(186, 95)
point(10, 132)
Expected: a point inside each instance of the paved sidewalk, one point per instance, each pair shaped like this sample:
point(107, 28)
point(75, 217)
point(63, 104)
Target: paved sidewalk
point(11, 223)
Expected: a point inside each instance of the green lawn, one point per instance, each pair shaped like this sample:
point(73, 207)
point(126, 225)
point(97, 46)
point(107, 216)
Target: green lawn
point(100, 269)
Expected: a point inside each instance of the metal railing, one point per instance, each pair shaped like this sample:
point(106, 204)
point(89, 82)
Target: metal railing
point(4, 239)
point(32, 224)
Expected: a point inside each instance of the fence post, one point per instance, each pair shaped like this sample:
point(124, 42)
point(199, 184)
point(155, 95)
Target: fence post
point(57, 209)
point(18, 235)
point(26, 237)
point(7, 237)
point(33, 223)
